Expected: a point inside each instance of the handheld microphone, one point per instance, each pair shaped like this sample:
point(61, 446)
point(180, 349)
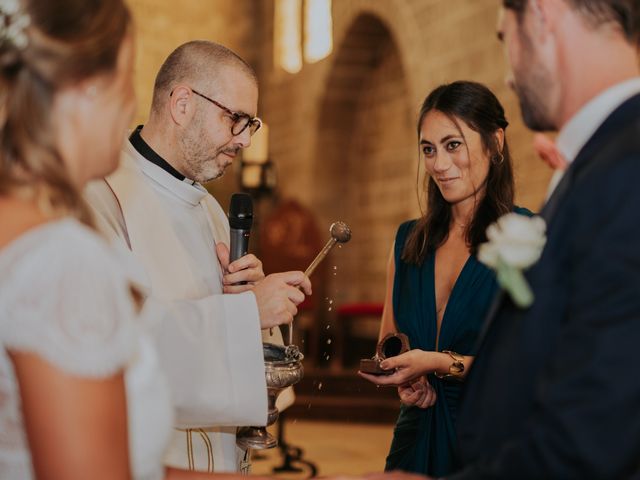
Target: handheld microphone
point(240, 222)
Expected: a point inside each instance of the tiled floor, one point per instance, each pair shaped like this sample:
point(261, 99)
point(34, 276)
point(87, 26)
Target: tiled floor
point(333, 447)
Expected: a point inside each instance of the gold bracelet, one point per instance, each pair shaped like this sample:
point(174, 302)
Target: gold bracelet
point(456, 369)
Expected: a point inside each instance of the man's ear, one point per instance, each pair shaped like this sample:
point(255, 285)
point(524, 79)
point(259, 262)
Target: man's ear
point(538, 10)
point(180, 105)
point(546, 17)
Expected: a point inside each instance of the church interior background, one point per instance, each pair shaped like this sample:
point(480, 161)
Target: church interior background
point(341, 83)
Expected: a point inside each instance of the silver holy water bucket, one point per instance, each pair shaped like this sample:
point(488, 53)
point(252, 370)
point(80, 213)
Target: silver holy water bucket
point(283, 368)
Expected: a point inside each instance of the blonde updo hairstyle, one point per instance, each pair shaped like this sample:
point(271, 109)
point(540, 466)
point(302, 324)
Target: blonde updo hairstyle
point(58, 43)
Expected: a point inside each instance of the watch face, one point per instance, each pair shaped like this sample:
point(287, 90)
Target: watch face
point(456, 367)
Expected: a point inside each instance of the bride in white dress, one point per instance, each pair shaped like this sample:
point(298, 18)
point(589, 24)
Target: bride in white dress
point(81, 393)
point(74, 361)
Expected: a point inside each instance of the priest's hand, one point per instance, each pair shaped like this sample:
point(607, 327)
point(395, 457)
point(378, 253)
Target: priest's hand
point(240, 275)
point(278, 296)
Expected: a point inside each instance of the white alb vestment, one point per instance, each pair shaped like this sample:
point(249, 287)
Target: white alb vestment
point(209, 343)
point(64, 296)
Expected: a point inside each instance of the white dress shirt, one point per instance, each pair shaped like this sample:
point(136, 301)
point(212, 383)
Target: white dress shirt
point(575, 134)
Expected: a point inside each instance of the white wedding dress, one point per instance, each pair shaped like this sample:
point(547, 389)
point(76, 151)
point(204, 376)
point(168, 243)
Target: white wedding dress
point(65, 297)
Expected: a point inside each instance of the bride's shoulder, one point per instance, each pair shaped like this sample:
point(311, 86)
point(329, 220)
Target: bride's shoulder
point(57, 244)
point(70, 236)
point(63, 295)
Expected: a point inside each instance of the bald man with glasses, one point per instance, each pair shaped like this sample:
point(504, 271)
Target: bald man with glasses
point(205, 314)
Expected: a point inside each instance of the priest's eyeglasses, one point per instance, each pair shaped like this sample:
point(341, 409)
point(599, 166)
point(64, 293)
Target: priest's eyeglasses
point(240, 120)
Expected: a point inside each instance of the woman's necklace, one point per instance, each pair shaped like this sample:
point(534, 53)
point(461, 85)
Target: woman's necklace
point(461, 225)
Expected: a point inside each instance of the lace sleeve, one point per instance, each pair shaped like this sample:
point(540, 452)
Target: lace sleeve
point(68, 302)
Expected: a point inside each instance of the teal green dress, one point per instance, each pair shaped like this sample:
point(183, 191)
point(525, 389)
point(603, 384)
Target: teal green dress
point(424, 440)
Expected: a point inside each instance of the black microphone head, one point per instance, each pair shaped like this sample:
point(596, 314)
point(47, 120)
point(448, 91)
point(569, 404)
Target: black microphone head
point(241, 211)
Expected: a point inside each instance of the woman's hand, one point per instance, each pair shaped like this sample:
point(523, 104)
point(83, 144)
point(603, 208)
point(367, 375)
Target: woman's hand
point(419, 393)
point(408, 367)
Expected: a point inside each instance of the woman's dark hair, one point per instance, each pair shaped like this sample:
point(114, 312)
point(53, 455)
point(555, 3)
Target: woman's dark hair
point(476, 106)
point(61, 43)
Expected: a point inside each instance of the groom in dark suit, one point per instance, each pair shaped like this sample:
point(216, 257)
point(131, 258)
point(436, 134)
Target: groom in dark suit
point(554, 392)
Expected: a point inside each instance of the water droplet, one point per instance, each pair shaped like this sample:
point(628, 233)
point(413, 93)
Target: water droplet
point(320, 386)
point(330, 302)
point(329, 342)
point(328, 357)
point(335, 267)
point(309, 406)
point(330, 308)
point(339, 245)
point(328, 327)
point(295, 420)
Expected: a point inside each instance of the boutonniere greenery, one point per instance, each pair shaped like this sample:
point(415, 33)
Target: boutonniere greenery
point(515, 243)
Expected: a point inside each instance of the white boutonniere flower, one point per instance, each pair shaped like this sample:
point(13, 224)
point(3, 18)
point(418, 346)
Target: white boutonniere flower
point(515, 242)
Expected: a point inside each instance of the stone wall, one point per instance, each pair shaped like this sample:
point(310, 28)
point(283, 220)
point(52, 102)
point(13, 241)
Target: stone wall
point(162, 25)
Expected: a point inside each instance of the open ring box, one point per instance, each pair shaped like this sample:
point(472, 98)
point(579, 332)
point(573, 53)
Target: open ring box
point(391, 345)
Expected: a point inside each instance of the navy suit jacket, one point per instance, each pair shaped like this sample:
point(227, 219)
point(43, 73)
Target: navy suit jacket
point(554, 392)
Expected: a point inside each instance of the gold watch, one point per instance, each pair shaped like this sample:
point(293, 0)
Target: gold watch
point(456, 369)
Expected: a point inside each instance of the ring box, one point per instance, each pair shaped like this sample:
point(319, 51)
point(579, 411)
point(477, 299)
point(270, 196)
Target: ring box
point(391, 345)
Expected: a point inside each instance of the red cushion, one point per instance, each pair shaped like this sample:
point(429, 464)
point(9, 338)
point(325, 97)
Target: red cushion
point(307, 304)
point(360, 309)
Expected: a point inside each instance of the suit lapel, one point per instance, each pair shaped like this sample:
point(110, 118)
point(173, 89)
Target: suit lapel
point(555, 200)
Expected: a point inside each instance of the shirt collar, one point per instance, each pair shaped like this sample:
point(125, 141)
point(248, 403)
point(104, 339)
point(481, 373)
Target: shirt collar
point(144, 149)
point(177, 185)
point(577, 131)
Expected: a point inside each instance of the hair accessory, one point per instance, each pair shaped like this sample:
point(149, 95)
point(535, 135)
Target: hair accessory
point(13, 24)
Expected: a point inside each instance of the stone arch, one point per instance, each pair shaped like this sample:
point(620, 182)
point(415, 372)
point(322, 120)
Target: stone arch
point(365, 156)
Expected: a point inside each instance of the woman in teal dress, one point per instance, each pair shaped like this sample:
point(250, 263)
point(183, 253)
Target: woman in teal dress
point(438, 293)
